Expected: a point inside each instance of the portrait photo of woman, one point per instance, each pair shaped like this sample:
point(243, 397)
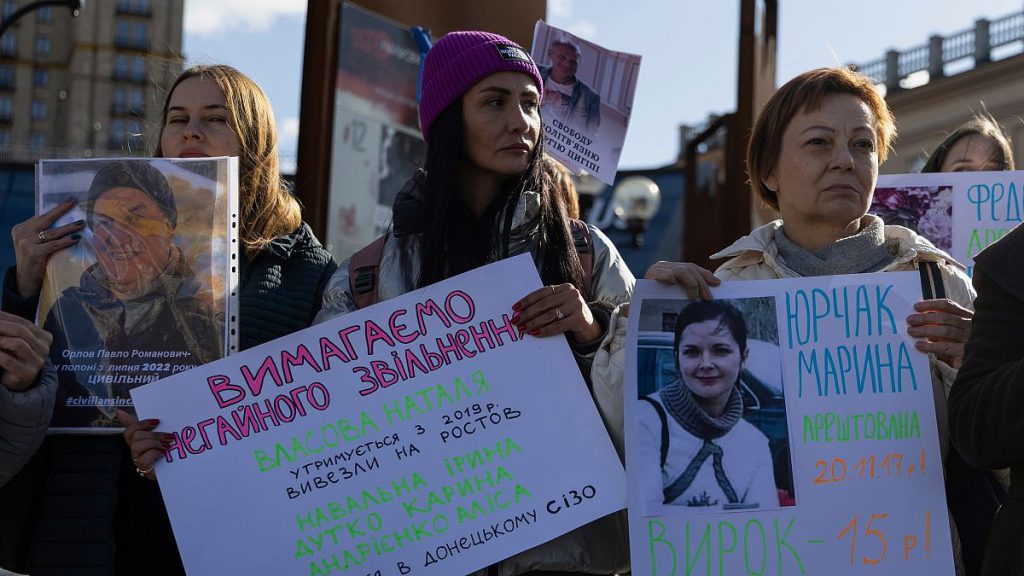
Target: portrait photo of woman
point(711, 414)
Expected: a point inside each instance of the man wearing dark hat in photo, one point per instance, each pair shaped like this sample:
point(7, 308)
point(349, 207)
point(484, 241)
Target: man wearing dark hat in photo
point(140, 295)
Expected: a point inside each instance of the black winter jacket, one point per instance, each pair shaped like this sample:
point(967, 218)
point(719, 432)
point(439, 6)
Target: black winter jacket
point(78, 507)
point(987, 400)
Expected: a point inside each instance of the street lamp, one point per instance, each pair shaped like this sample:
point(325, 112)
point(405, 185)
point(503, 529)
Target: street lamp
point(636, 200)
point(74, 5)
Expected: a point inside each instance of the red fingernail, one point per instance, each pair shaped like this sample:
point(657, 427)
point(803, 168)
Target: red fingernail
point(516, 306)
point(515, 318)
point(152, 421)
point(168, 437)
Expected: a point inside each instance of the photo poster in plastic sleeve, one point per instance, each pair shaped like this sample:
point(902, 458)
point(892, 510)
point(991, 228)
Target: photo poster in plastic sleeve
point(588, 99)
point(420, 436)
point(785, 427)
point(150, 288)
point(961, 213)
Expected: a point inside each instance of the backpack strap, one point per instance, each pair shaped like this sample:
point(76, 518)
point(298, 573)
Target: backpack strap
point(664, 426)
point(364, 273)
point(931, 280)
point(584, 248)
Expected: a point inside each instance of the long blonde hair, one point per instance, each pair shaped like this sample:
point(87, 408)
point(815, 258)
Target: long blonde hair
point(267, 209)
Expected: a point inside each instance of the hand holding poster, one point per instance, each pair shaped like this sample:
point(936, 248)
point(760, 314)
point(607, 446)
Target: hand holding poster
point(148, 290)
point(960, 212)
point(588, 98)
point(786, 427)
point(422, 435)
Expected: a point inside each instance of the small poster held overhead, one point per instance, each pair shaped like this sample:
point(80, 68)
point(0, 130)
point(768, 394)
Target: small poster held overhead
point(785, 427)
point(960, 212)
point(588, 99)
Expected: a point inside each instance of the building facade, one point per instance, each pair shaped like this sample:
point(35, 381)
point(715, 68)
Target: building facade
point(87, 86)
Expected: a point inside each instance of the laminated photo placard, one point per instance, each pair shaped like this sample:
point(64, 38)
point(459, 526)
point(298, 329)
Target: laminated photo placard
point(149, 290)
point(785, 427)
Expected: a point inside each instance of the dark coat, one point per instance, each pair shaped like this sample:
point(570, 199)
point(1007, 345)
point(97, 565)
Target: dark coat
point(79, 508)
point(987, 400)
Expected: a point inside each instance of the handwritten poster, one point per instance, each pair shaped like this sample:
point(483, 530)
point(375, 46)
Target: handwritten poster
point(588, 99)
point(786, 427)
point(422, 435)
point(960, 212)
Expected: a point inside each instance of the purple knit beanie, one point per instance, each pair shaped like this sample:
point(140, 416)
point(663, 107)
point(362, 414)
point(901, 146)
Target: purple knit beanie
point(461, 59)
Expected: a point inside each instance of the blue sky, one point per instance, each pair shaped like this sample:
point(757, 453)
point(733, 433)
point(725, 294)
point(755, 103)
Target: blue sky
point(689, 49)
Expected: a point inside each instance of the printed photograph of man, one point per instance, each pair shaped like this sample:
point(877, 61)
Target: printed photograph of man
point(566, 97)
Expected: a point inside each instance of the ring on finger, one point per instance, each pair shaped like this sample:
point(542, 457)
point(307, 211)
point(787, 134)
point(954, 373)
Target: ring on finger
point(558, 314)
point(41, 235)
point(142, 472)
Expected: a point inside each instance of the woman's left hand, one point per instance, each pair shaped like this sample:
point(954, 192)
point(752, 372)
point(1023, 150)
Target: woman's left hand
point(555, 310)
point(147, 446)
point(943, 327)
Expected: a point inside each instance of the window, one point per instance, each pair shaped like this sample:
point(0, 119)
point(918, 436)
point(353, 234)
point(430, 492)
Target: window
point(121, 66)
point(140, 35)
point(37, 139)
point(38, 109)
point(139, 68)
point(45, 14)
point(119, 97)
point(138, 103)
point(6, 107)
point(10, 6)
point(124, 32)
point(5, 136)
point(43, 45)
point(117, 133)
point(8, 44)
point(6, 76)
point(40, 77)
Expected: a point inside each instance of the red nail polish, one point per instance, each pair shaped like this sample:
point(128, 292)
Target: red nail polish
point(152, 421)
point(167, 437)
point(515, 318)
point(516, 306)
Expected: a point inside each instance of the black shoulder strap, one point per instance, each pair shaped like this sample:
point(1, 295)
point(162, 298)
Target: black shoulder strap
point(664, 426)
point(931, 280)
point(584, 248)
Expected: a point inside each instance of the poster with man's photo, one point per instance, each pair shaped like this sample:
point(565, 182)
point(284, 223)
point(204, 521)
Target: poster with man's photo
point(588, 99)
point(959, 212)
point(149, 288)
point(784, 427)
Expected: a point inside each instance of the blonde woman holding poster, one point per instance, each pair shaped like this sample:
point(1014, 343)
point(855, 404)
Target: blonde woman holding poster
point(99, 508)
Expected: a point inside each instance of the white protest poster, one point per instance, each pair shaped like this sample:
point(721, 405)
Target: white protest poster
point(786, 427)
point(422, 435)
point(588, 98)
point(960, 212)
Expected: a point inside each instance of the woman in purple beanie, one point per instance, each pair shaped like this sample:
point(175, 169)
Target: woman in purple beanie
point(483, 196)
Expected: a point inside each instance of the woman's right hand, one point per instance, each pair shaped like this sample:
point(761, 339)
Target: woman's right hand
point(35, 242)
point(687, 275)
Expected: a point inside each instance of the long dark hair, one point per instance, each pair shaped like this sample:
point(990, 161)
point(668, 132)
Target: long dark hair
point(445, 249)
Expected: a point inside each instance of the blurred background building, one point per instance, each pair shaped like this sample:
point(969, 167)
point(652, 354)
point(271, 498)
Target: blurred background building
point(80, 87)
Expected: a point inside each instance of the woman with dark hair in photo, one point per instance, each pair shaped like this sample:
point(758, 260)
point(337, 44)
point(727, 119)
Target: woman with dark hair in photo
point(693, 430)
point(89, 502)
point(483, 196)
point(979, 145)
